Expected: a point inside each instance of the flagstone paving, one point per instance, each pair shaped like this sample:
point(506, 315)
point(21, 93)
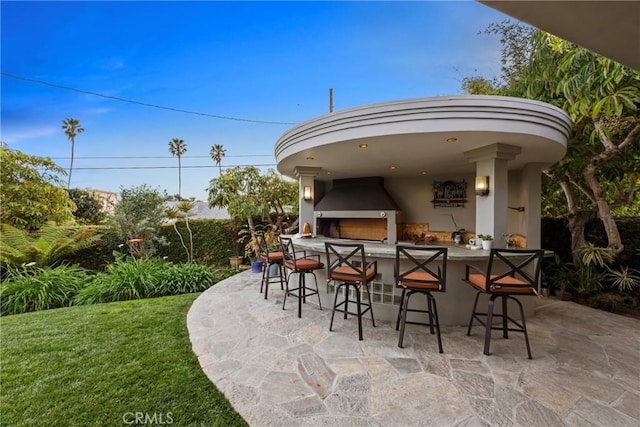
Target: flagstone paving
point(280, 370)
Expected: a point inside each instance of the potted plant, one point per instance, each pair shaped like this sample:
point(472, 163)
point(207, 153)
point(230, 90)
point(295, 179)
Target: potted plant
point(487, 241)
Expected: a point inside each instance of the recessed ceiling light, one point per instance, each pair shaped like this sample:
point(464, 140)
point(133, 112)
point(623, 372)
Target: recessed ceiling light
point(309, 158)
point(423, 173)
point(451, 140)
point(363, 145)
point(328, 172)
point(393, 168)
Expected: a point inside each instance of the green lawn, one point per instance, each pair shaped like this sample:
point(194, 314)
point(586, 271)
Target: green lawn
point(105, 364)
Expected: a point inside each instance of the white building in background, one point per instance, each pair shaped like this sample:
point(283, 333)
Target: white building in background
point(201, 209)
point(108, 199)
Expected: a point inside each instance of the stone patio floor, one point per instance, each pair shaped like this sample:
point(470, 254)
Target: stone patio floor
point(279, 370)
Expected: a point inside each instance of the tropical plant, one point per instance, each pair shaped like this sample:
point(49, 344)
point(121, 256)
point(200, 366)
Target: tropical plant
point(172, 216)
point(31, 192)
point(71, 128)
point(35, 288)
point(217, 152)
point(177, 147)
point(184, 207)
point(246, 193)
point(45, 247)
point(594, 256)
point(624, 280)
point(601, 170)
point(137, 218)
point(89, 208)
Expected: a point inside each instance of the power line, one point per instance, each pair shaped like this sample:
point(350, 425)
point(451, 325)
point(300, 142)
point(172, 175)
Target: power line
point(164, 167)
point(145, 104)
point(154, 157)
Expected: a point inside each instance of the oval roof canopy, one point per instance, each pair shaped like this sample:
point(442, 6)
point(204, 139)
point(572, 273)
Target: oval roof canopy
point(422, 136)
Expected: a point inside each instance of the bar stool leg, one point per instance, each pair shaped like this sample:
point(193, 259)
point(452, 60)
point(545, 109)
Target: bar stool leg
point(403, 304)
point(473, 313)
point(487, 333)
point(359, 311)
point(437, 319)
point(400, 308)
point(373, 322)
point(335, 301)
point(505, 319)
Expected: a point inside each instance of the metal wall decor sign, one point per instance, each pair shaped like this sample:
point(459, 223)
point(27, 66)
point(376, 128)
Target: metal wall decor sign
point(449, 194)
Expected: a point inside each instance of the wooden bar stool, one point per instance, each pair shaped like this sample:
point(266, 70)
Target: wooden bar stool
point(346, 265)
point(427, 273)
point(505, 277)
point(298, 262)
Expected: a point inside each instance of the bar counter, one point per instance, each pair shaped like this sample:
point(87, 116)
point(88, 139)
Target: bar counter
point(454, 305)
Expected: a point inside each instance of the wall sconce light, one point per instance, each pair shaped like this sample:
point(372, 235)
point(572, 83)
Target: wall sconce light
point(482, 185)
point(306, 194)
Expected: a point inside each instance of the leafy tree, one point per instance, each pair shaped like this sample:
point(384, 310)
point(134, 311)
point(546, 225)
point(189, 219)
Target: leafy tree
point(137, 218)
point(31, 192)
point(89, 208)
point(246, 193)
point(71, 128)
point(177, 147)
point(601, 171)
point(217, 152)
point(45, 247)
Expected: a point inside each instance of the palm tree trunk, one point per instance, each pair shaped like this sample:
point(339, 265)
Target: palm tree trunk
point(71, 165)
point(179, 178)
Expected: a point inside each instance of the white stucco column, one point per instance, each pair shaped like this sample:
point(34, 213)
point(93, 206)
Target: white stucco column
point(532, 188)
point(491, 210)
point(306, 178)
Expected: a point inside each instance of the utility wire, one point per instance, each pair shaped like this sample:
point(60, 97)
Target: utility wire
point(156, 157)
point(145, 104)
point(164, 167)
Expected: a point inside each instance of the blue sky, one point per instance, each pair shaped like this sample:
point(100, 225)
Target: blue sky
point(262, 61)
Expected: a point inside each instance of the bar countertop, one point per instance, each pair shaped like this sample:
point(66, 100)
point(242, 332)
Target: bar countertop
point(456, 252)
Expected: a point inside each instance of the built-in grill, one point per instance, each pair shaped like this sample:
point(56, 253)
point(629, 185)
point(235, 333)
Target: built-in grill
point(358, 208)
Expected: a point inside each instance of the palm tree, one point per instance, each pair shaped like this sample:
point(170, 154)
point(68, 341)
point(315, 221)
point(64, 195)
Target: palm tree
point(177, 147)
point(217, 152)
point(71, 128)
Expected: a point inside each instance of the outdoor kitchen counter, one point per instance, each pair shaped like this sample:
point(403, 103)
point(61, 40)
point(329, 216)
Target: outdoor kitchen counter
point(454, 305)
point(382, 250)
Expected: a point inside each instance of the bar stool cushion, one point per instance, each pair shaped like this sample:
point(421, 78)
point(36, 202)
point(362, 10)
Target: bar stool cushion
point(303, 264)
point(346, 273)
point(272, 257)
point(419, 280)
point(506, 284)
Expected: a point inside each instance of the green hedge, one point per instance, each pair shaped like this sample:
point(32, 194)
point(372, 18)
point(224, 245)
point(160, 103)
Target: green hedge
point(214, 242)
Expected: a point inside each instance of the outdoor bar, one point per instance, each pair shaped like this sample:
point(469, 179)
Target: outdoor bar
point(429, 171)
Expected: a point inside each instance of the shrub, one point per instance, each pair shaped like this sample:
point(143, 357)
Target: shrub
point(133, 278)
point(34, 289)
point(615, 303)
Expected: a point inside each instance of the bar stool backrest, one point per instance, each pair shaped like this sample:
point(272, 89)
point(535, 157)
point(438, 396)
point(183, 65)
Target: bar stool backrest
point(428, 265)
point(288, 251)
point(347, 262)
point(514, 274)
